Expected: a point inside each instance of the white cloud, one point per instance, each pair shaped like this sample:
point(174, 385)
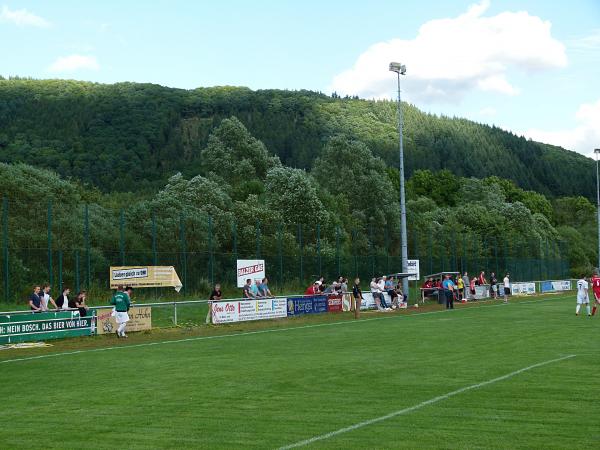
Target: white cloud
point(453, 56)
point(583, 138)
point(22, 17)
point(488, 111)
point(72, 63)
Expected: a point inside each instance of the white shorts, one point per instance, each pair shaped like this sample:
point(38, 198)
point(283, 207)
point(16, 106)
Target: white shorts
point(583, 301)
point(122, 317)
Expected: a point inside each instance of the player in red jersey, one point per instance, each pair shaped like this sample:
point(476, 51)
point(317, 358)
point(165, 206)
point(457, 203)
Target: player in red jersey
point(596, 288)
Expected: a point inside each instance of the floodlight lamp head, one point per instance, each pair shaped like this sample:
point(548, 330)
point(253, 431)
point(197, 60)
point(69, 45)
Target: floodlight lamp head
point(597, 150)
point(398, 68)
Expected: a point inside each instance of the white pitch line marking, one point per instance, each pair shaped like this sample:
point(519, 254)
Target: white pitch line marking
point(271, 330)
point(420, 405)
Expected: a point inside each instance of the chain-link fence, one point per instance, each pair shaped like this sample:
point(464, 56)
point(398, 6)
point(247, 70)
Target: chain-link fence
point(75, 245)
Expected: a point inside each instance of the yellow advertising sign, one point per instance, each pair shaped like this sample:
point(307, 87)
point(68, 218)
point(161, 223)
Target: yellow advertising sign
point(144, 276)
point(140, 318)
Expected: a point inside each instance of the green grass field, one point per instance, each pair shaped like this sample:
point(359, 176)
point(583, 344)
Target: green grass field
point(273, 384)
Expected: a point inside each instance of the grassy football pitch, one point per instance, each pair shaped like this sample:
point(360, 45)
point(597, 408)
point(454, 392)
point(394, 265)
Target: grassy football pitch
point(522, 375)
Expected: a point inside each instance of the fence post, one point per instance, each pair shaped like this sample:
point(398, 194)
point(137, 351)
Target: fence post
point(337, 249)
point(354, 252)
point(301, 248)
point(77, 277)
point(88, 255)
point(5, 247)
point(258, 239)
point(430, 249)
point(371, 248)
point(122, 236)
point(280, 251)
point(175, 313)
point(319, 262)
point(154, 251)
point(60, 270)
point(183, 251)
point(211, 262)
point(49, 229)
point(387, 249)
point(496, 255)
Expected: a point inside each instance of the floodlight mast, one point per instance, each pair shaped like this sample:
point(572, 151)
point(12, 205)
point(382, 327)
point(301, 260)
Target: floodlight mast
point(400, 69)
point(597, 155)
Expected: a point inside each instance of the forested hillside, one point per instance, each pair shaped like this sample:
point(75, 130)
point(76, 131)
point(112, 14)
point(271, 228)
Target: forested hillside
point(130, 136)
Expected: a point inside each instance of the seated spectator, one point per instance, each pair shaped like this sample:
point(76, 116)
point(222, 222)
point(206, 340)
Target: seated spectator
point(263, 288)
point(35, 302)
point(313, 289)
point(247, 289)
point(62, 302)
point(80, 303)
point(216, 293)
point(375, 293)
point(391, 290)
point(255, 289)
point(380, 291)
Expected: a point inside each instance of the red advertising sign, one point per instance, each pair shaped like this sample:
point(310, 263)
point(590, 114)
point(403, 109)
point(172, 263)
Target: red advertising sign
point(334, 303)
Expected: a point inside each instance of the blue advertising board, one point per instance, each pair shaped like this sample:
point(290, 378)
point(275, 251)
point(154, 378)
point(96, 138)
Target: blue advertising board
point(546, 286)
point(306, 305)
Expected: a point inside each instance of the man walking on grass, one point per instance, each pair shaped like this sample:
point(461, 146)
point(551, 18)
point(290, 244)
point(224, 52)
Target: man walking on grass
point(582, 296)
point(121, 302)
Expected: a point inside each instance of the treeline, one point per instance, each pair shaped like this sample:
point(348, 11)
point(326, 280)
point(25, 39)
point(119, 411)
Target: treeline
point(132, 137)
point(243, 201)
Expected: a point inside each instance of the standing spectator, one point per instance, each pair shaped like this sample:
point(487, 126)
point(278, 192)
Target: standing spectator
point(62, 302)
point(493, 285)
point(216, 293)
point(263, 288)
point(344, 286)
point(466, 283)
point(247, 289)
point(506, 282)
point(481, 279)
point(460, 284)
point(35, 302)
point(449, 288)
point(472, 287)
point(357, 294)
point(381, 287)
point(45, 297)
point(80, 303)
point(391, 290)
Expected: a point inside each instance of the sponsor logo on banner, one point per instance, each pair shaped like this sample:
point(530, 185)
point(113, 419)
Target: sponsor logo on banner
point(134, 272)
point(307, 305)
point(249, 268)
point(522, 288)
point(140, 318)
point(546, 286)
point(562, 285)
point(412, 266)
point(244, 310)
point(334, 303)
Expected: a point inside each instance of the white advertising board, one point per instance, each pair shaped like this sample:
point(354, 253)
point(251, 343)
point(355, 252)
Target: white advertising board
point(522, 288)
point(240, 311)
point(412, 266)
point(563, 285)
point(249, 268)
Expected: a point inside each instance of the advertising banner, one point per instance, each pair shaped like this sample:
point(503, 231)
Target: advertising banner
point(249, 268)
point(482, 291)
point(244, 310)
point(306, 305)
point(140, 318)
point(347, 302)
point(412, 266)
point(144, 277)
point(334, 303)
point(42, 326)
point(562, 285)
point(522, 288)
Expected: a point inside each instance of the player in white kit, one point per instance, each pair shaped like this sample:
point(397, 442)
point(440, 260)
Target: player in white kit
point(582, 296)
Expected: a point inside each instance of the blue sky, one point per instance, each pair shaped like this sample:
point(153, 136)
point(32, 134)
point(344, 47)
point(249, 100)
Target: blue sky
point(529, 66)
